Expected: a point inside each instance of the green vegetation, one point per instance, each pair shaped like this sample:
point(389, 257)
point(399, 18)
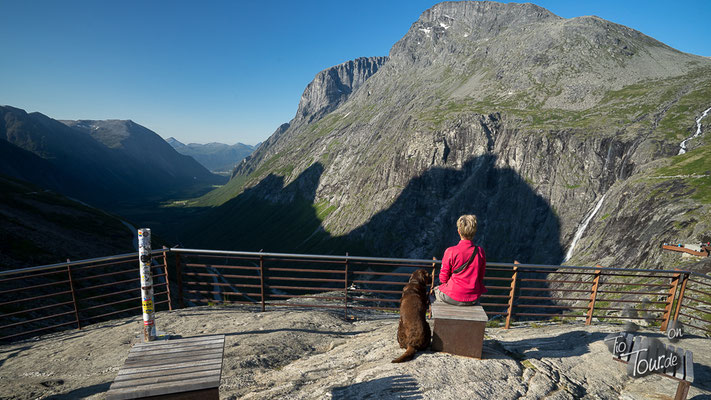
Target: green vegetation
point(493, 323)
point(676, 100)
point(235, 185)
point(323, 209)
point(219, 195)
point(694, 169)
point(528, 364)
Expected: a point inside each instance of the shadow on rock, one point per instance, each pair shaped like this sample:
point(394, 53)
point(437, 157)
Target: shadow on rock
point(569, 344)
point(267, 331)
point(391, 387)
point(82, 393)
point(12, 353)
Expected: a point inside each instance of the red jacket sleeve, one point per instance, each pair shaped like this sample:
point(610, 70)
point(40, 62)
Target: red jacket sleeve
point(446, 271)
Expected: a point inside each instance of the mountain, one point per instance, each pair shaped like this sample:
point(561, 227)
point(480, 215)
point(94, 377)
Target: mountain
point(38, 226)
point(217, 157)
point(534, 122)
point(101, 162)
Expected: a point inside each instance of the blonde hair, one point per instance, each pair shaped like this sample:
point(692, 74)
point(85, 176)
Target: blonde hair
point(466, 226)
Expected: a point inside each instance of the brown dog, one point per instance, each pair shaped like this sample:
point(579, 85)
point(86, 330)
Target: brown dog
point(413, 332)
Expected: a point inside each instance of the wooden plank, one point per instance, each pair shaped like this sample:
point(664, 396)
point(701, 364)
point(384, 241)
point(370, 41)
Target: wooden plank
point(159, 389)
point(216, 355)
point(169, 361)
point(688, 366)
point(168, 380)
point(167, 367)
point(156, 343)
point(173, 354)
point(181, 340)
point(176, 349)
point(185, 370)
point(468, 313)
point(178, 354)
point(124, 376)
point(162, 346)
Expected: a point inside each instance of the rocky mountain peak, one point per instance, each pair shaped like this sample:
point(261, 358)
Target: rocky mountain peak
point(523, 54)
point(481, 18)
point(334, 85)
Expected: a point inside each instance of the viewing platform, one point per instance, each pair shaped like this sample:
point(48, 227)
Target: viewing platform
point(315, 326)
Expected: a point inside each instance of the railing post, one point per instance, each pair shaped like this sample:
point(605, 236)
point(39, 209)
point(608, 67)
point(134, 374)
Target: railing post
point(147, 300)
point(670, 301)
point(593, 296)
point(514, 283)
point(345, 289)
point(680, 299)
point(261, 278)
point(179, 277)
point(167, 281)
point(74, 297)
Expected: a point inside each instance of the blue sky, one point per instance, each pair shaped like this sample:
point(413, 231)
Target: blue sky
point(232, 71)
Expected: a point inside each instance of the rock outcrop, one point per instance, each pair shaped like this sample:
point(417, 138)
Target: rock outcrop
point(331, 87)
point(317, 355)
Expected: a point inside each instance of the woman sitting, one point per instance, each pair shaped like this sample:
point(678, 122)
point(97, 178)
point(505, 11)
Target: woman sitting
point(463, 268)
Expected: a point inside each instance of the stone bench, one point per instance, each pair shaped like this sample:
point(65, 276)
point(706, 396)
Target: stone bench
point(458, 329)
point(174, 369)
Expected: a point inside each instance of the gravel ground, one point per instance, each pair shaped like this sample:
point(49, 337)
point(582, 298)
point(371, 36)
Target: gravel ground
point(316, 354)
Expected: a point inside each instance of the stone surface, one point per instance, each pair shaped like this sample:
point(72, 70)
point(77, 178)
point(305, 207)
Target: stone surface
point(308, 354)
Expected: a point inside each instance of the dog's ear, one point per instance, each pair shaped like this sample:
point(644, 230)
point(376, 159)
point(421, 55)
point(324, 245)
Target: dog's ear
point(428, 277)
point(422, 276)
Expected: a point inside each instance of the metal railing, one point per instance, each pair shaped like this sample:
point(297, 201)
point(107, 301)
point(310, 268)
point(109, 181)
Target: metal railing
point(70, 295)
point(514, 290)
point(48, 298)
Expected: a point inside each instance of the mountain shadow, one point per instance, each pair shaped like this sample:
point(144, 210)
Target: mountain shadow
point(268, 216)
point(515, 223)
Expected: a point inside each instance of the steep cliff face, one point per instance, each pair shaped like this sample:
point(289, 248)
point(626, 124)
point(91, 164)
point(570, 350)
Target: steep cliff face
point(333, 86)
point(504, 110)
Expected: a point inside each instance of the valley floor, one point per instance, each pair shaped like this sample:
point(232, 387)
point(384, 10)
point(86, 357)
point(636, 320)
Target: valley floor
point(309, 354)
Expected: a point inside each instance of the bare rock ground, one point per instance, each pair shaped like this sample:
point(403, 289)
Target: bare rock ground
point(316, 354)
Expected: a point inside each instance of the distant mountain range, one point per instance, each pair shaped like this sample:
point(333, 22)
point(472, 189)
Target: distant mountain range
point(104, 163)
point(219, 158)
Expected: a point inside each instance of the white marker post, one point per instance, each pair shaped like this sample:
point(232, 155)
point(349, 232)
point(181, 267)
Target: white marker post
point(144, 256)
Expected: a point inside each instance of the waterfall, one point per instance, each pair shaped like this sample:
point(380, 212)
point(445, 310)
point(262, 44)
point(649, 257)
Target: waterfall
point(582, 227)
point(682, 146)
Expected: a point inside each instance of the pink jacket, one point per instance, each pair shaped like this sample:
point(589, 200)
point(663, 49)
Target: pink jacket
point(467, 285)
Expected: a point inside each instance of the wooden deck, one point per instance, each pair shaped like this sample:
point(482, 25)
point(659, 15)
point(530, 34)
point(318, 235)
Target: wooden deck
point(174, 369)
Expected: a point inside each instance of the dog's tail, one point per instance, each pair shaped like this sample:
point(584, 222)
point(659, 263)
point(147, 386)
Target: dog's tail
point(407, 356)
